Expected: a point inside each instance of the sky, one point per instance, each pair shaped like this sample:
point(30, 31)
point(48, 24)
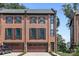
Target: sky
point(63, 29)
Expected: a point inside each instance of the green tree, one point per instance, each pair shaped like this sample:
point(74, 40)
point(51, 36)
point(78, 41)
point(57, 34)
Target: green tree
point(61, 45)
point(67, 10)
point(12, 6)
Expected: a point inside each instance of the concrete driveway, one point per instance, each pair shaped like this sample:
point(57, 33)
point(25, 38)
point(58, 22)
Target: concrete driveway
point(37, 54)
point(12, 54)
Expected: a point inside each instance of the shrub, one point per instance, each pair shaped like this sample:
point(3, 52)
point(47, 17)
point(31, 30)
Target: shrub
point(76, 52)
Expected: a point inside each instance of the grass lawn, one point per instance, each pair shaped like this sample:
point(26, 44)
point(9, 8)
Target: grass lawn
point(65, 54)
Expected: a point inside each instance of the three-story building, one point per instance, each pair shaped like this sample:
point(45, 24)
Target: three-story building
point(32, 30)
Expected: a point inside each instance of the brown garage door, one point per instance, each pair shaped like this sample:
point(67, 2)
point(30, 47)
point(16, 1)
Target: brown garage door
point(37, 48)
point(16, 47)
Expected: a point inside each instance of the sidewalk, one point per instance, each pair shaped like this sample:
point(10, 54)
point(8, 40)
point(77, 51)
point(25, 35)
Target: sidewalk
point(37, 54)
point(12, 54)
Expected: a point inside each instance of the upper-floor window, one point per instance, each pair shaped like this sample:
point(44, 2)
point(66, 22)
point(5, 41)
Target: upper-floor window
point(9, 33)
point(41, 33)
point(51, 32)
point(51, 25)
point(13, 33)
point(41, 20)
point(51, 19)
point(18, 19)
point(9, 19)
point(32, 33)
point(33, 19)
point(18, 33)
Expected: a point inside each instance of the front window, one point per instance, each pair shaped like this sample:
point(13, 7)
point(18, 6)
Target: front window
point(18, 19)
point(8, 33)
point(51, 19)
point(18, 33)
point(41, 20)
point(51, 25)
point(9, 19)
point(13, 34)
point(33, 19)
point(51, 32)
point(41, 33)
point(32, 33)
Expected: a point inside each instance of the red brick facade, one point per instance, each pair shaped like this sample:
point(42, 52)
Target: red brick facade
point(25, 43)
point(74, 29)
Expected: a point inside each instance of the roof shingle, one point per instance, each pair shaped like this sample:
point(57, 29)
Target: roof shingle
point(46, 11)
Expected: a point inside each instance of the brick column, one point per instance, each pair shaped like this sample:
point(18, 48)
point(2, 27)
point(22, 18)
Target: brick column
point(25, 42)
point(1, 39)
point(49, 44)
point(75, 30)
point(0, 24)
point(55, 35)
point(0, 29)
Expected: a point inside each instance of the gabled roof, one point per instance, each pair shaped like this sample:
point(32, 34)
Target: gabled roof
point(34, 11)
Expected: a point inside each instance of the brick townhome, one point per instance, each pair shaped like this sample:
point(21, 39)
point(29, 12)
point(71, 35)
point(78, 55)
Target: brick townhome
point(74, 29)
point(32, 30)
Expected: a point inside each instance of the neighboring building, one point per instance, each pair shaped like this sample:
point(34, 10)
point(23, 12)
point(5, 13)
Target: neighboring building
point(32, 30)
point(74, 29)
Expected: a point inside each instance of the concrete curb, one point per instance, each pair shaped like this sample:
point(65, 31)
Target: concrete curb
point(54, 54)
point(22, 54)
point(12, 54)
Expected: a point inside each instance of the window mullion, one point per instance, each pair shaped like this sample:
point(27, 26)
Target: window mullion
point(13, 19)
point(20, 36)
point(36, 33)
point(14, 33)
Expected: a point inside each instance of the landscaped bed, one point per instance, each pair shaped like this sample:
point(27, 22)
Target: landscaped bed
point(65, 54)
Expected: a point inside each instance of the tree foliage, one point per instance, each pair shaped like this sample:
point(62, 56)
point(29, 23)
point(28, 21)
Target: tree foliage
point(61, 44)
point(12, 6)
point(67, 10)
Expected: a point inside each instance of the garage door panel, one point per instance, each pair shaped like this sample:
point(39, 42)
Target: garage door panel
point(37, 48)
point(15, 47)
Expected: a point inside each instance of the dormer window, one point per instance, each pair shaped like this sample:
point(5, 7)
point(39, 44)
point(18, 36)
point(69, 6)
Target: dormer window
point(41, 20)
point(9, 19)
point(18, 19)
point(33, 20)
